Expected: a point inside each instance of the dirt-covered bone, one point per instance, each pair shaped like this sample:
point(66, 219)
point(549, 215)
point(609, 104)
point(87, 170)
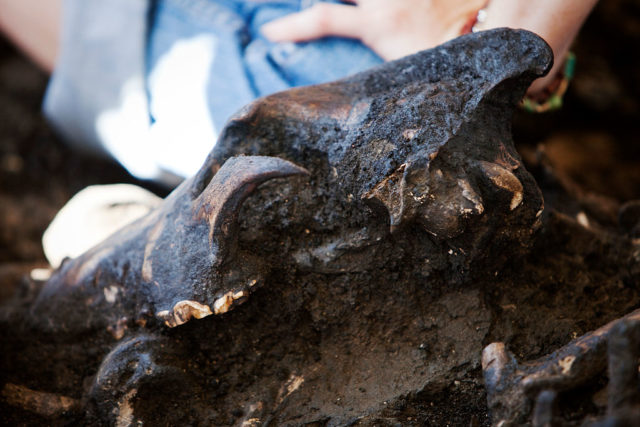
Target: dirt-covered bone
point(423, 143)
point(420, 142)
point(622, 390)
point(513, 388)
point(414, 189)
point(178, 262)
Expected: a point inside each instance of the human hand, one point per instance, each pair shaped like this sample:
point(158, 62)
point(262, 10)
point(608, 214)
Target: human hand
point(556, 21)
point(391, 28)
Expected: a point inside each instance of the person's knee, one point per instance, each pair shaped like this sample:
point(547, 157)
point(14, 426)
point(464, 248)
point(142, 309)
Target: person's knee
point(33, 25)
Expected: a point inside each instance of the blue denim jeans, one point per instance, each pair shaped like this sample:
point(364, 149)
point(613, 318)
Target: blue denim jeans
point(207, 59)
point(157, 105)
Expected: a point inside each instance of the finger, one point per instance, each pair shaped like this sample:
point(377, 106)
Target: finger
point(321, 20)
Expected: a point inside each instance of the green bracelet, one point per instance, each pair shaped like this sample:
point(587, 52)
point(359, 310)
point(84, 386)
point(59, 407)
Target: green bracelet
point(554, 101)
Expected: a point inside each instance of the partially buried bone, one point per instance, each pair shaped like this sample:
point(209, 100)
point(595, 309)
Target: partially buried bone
point(419, 144)
point(178, 262)
point(512, 387)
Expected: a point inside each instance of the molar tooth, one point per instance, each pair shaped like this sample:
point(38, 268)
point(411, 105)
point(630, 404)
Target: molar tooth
point(505, 179)
point(223, 304)
point(183, 311)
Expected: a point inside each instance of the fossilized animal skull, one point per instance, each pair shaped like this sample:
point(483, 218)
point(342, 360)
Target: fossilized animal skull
point(412, 177)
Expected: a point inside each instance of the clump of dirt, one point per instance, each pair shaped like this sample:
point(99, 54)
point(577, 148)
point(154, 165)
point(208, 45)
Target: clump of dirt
point(38, 173)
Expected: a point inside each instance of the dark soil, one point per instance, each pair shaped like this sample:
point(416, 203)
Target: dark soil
point(38, 173)
point(586, 159)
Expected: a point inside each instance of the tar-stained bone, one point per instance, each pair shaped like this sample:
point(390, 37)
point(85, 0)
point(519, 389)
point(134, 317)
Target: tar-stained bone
point(544, 409)
point(426, 138)
point(623, 393)
point(623, 353)
point(174, 263)
point(414, 189)
point(512, 387)
point(423, 143)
